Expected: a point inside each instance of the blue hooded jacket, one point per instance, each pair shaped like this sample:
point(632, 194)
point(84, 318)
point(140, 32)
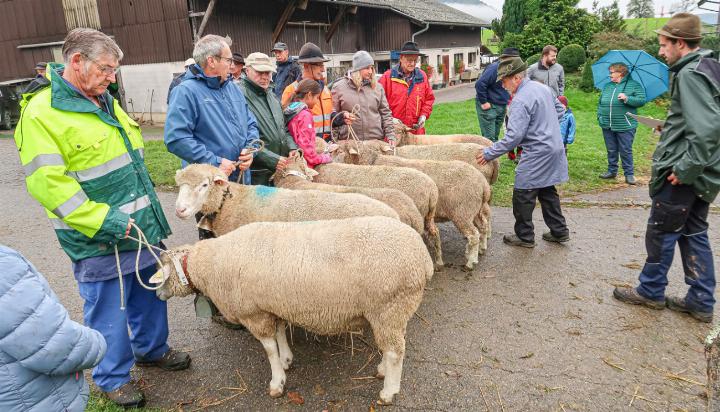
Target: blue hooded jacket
point(488, 89)
point(42, 351)
point(208, 120)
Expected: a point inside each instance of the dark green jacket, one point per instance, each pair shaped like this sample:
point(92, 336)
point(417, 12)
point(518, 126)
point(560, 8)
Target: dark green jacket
point(271, 123)
point(689, 145)
point(612, 112)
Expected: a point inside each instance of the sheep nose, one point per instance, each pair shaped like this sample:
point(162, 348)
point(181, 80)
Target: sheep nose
point(180, 211)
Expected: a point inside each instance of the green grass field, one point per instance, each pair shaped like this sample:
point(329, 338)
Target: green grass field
point(645, 26)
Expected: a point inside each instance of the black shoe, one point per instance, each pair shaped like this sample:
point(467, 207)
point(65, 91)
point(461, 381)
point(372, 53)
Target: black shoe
point(127, 396)
point(172, 360)
point(608, 175)
point(630, 180)
point(513, 240)
point(222, 321)
point(679, 305)
point(549, 237)
point(631, 296)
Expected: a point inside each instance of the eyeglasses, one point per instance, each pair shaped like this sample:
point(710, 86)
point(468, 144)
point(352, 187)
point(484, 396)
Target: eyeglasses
point(106, 70)
point(227, 60)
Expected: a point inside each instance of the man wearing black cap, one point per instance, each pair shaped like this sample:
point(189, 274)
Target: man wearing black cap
point(491, 99)
point(238, 70)
point(685, 177)
point(288, 70)
point(408, 91)
point(40, 69)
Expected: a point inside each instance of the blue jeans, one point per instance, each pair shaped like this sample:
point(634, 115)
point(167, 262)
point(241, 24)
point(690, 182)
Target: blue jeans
point(679, 216)
point(145, 315)
point(619, 143)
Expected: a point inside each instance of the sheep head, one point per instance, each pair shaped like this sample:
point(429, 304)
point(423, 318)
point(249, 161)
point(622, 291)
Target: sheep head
point(401, 131)
point(296, 165)
point(168, 274)
point(196, 183)
point(351, 153)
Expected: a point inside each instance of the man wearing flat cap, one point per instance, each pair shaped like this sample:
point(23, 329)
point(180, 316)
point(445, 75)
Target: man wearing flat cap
point(685, 176)
point(270, 119)
point(491, 99)
point(408, 91)
point(237, 71)
point(534, 124)
point(288, 69)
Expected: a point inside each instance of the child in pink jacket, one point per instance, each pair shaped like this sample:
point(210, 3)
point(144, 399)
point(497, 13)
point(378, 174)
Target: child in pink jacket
point(300, 121)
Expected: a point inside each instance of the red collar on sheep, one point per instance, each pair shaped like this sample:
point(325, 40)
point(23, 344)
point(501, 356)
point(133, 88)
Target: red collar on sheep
point(183, 263)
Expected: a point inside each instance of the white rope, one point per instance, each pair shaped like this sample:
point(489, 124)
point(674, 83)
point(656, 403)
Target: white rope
point(256, 145)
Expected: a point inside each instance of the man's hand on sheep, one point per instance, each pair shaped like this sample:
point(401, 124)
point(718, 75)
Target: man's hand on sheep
point(245, 160)
point(226, 166)
point(281, 164)
point(480, 158)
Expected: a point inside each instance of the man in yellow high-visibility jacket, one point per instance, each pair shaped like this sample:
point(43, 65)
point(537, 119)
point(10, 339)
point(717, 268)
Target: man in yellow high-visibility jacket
point(83, 161)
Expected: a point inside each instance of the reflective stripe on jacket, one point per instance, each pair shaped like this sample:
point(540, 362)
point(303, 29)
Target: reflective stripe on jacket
point(86, 168)
point(322, 112)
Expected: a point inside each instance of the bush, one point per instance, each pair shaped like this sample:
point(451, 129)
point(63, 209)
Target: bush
point(571, 57)
point(533, 59)
point(587, 84)
point(603, 42)
point(711, 42)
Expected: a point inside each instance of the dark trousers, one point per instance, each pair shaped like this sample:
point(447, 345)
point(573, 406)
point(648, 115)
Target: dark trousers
point(524, 205)
point(679, 216)
point(619, 144)
point(491, 120)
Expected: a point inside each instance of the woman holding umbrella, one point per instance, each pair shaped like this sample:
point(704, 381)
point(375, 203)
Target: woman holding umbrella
point(620, 96)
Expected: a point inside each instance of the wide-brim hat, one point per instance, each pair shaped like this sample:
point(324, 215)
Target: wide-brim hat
point(510, 52)
point(260, 62)
point(510, 66)
point(311, 53)
point(410, 48)
point(684, 26)
point(238, 58)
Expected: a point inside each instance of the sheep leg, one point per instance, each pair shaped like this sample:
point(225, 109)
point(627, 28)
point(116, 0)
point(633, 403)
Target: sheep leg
point(381, 367)
point(388, 326)
point(483, 226)
point(286, 356)
point(277, 383)
point(391, 384)
point(434, 237)
point(468, 229)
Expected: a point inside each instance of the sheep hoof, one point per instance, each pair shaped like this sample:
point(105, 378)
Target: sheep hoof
point(386, 398)
point(439, 268)
point(468, 268)
point(380, 376)
point(276, 393)
point(286, 363)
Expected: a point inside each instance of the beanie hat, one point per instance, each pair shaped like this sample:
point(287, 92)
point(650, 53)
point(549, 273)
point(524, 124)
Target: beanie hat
point(361, 60)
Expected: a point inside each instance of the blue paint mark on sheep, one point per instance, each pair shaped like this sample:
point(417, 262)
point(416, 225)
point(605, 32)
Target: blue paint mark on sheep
point(265, 191)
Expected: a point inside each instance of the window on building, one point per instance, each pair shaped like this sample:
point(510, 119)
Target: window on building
point(472, 58)
point(424, 60)
point(439, 61)
point(458, 57)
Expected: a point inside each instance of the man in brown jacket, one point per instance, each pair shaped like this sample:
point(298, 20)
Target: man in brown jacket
point(360, 91)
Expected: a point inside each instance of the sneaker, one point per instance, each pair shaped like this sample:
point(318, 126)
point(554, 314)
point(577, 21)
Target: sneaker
point(608, 175)
point(631, 296)
point(678, 304)
point(630, 180)
point(513, 240)
point(549, 237)
point(127, 396)
point(172, 360)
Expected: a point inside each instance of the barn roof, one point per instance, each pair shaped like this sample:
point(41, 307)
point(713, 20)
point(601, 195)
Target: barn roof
point(421, 11)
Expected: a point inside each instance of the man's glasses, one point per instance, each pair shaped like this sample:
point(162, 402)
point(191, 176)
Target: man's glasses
point(106, 70)
point(227, 60)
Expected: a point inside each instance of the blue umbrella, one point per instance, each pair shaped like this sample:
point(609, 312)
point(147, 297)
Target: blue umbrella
point(642, 67)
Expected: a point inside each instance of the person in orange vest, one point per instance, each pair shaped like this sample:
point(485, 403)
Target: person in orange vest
point(408, 91)
point(313, 64)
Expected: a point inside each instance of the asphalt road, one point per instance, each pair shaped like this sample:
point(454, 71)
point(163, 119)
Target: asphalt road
point(530, 329)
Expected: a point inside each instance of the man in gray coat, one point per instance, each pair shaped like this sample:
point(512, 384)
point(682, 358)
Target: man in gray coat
point(533, 123)
point(548, 71)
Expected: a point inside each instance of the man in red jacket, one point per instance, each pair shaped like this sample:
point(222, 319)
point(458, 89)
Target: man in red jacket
point(408, 91)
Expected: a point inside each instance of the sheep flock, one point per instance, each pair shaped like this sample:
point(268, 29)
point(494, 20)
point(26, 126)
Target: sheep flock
point(346, 246)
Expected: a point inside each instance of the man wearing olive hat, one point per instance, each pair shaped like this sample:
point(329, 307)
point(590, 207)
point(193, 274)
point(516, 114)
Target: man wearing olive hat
point(270, 119)
point(534, 124)
point(491, 99)
point(685, 176)
point(408, 91)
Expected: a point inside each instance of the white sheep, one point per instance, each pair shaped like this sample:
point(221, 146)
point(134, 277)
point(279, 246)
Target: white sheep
point(404, 137)
point(205, 189)
point(416, 185)
point(464, 193)
point(298, 176)
point(372, 271)
point(464, 152)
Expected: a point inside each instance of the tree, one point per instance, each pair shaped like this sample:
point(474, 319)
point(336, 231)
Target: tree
point(640, 9)
point(571, 57)
point(682, 6)
point(610, 17)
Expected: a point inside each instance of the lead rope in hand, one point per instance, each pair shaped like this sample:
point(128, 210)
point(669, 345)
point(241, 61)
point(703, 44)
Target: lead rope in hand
point(255, 145)
point(141, 240)
point(351, 132)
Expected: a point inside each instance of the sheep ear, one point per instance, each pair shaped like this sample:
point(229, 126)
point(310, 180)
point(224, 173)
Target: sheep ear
point(352, 151)
point(220, 180)
point(387, 149)
point(159, 276)
point(311, 172)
